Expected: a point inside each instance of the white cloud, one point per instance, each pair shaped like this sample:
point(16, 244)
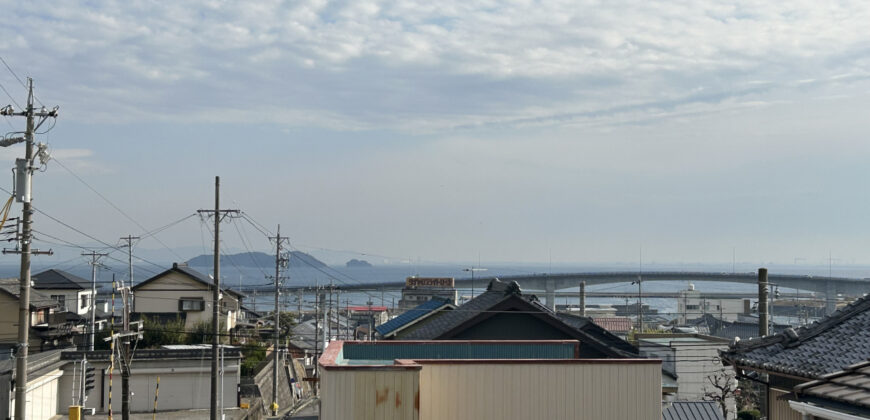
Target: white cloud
point(415, 65)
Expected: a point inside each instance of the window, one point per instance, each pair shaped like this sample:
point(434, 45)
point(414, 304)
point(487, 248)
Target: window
point(84, 301)
point(693, 307)
point(191, 304)
point(61, 301)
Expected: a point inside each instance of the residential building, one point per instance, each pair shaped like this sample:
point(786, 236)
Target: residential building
point(796, 364)
point(187, 294)
point(617, 325)
point(365, 315)
point(71, 292)
point(418, 290)
point(743, 328)
point(693, 360)
point(429, 380)
point(840, 395)
point(503, 312)
point(49, 328)
point(413, 316)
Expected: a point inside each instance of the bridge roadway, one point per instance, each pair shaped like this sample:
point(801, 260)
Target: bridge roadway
point(831, 287)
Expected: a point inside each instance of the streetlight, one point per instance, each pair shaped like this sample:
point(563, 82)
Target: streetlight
point(472, 270)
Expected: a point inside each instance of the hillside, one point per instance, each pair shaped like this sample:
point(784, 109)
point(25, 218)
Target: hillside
point(256, 259)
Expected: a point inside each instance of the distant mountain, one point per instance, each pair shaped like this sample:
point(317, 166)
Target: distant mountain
point(257, 259)
point(357, 263)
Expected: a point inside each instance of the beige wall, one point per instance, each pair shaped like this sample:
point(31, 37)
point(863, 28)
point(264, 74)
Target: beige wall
point(506, 391)
point(545, 391)
point(163, 295)
point(42, 396)
point(779, 408)
point(369, 395)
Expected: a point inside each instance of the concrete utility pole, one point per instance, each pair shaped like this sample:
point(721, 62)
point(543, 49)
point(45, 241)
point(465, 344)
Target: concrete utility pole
point(583, 298)
point(216, 297)
point(763, 319)
point(24, 172)
point(95, 261)
point(280, 262)
point(126, 293)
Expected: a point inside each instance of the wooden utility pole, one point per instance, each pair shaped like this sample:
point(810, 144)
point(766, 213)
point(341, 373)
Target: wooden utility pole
point(216, 297)
point(281, 261)
point(23, 175)
point(95, 261)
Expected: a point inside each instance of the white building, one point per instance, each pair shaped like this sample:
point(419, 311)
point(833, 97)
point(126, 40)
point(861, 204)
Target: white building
point(71, 292)
point(694, 360)
point(691, 305)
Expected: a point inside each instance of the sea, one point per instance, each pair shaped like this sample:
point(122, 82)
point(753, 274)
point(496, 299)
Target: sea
point(338, 275)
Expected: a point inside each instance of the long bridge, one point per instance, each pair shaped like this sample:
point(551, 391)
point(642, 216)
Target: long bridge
point(831, 287)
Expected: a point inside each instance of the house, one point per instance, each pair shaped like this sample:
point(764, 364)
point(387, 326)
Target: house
point(413, 316)
point(49, 328)
point(840, 395)
point(503, 312)
point(428, 380)
point(187, 294)
point(794, 365)
point(618, 325)
point(691, 305)
point(743, 328)
point(693, 360)
point(71, 292)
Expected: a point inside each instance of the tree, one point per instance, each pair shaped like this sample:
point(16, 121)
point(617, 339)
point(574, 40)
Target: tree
point(720, 387)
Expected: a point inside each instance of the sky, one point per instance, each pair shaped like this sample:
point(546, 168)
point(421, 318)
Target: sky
point(511, 131)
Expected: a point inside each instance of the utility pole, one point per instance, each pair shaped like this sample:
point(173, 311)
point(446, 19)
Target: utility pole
point(763, 330)
point(95, 261)
point(281, 261)
point(126, 293)
point(583, 298)
point(24, 172)
point(216, 297)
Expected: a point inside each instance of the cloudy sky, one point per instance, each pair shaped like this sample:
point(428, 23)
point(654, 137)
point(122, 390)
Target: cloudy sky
point(521, 131)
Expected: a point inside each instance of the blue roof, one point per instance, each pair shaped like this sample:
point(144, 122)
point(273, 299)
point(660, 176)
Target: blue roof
point(410, 316)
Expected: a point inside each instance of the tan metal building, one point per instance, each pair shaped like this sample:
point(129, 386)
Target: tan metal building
point(484, 379)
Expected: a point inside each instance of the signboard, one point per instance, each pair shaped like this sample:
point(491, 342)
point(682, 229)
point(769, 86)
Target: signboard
point(429, 282)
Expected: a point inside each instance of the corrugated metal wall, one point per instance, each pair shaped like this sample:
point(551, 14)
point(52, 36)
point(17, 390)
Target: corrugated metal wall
point(369, 395)
point(779, 408)
point(591, 391)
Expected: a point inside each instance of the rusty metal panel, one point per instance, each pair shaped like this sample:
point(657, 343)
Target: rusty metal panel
point(369, 394)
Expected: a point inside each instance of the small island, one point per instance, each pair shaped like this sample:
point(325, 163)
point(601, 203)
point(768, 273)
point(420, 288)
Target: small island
point(357, 263)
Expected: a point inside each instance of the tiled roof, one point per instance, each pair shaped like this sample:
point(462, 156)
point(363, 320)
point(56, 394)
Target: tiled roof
point(618, 324)
point(710, 325)
point(37, 299)
point(411, 315)
point(440, 325)
point(446, 320)
point(59, 279)
point(841, 339)
point(692, 410)
point(850, 386)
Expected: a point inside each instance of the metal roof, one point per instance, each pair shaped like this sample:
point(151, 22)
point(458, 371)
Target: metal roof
point(411, 315)
point(692, 410)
